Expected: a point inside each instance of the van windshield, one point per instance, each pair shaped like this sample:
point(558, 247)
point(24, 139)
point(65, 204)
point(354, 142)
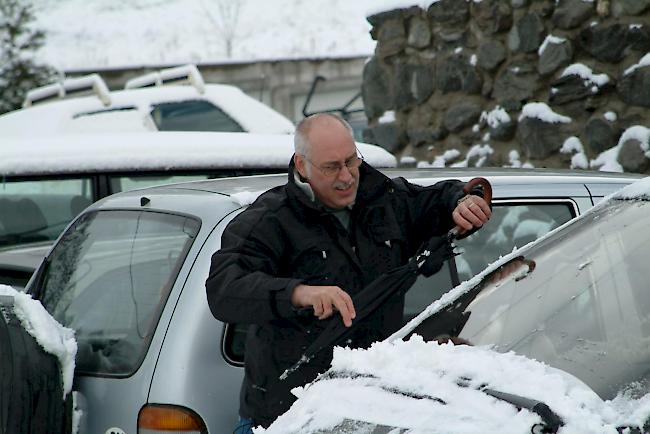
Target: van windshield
point(108, 279)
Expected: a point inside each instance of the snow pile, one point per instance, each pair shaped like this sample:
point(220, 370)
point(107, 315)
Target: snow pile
point(495, 117)
point(573, 145)
point(610, 116)
point(584, 72)
point(441, 160)
point(245, 198)
point(543, 112)
point(607, 161)
point(550, 39)
point(637, 190)
point(52, 336)
point(515, 161)
point(480, 152)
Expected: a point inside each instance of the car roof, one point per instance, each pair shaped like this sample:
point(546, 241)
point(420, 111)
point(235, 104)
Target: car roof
point(56, 116)
point(200, 197)
point(496, 176)
point(155, 151)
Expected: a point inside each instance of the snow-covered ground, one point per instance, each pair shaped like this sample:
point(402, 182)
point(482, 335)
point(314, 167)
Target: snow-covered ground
point(114, 33)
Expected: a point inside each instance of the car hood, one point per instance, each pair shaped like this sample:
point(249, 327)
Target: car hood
point(415, 385)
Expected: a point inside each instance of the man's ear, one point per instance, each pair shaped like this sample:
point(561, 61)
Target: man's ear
point(299, 161)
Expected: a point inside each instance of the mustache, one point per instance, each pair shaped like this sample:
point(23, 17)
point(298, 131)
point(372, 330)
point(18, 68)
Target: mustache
point(340, 185)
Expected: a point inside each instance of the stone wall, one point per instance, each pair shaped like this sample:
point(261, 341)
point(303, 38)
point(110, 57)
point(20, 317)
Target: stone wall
point(512, 83)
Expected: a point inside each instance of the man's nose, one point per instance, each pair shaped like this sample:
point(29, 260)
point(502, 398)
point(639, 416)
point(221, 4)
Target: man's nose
point(345, 174)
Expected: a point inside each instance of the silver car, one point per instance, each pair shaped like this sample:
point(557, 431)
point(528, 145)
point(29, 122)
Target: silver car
point(128, 275)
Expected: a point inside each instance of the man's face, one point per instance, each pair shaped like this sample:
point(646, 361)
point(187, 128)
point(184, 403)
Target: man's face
point(331, 147)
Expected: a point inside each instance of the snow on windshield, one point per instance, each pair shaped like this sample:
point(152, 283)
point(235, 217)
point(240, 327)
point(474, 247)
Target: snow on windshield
point(50, 335)
point(455, 375)
point(419, 367)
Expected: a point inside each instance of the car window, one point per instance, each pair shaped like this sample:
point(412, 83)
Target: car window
point(108, 279)
point(513, 224)
point(38, 210)
point(582, 306)
point(233, 343)
point(193, 115)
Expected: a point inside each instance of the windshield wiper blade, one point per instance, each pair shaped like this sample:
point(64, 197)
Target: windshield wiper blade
point(551, 421)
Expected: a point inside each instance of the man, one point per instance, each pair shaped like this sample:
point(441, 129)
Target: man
point(333, 228)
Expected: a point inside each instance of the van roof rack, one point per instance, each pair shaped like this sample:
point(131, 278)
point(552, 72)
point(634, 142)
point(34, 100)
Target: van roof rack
point(180, 74)
point(67, 87)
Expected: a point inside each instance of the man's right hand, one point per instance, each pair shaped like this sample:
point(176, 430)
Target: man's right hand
point(325, 300)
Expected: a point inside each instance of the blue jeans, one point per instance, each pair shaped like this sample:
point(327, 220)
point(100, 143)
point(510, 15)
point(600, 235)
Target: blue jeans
point(244, 426)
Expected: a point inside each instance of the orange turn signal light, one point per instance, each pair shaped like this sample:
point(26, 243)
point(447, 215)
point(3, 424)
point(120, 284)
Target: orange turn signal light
point(168, 418)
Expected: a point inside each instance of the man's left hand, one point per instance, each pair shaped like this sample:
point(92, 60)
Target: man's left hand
point(472, 212)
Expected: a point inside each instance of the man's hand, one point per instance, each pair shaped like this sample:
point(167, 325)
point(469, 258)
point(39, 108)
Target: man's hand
point(325, 300)
point(471, 212)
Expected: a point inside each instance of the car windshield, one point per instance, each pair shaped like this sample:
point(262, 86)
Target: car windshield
point(578, 300)
point(109, 277)
point(39, 209)
point(513, 224)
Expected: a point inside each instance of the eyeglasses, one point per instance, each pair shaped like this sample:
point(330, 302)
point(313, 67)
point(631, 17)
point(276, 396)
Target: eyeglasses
point(333, 169)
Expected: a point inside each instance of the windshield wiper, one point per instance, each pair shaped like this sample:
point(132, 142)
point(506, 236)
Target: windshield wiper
point(551, 422)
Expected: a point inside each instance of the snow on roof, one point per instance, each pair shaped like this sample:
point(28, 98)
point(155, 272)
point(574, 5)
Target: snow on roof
point(156, 151)
point(129, 111)
point(543, 112)
point(50, 335)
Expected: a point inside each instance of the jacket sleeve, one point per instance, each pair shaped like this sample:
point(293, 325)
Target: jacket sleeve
point(244, 284)
point(429, 209)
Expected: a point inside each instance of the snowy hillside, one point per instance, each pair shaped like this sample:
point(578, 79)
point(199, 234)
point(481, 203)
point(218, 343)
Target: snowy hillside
point(84, 34)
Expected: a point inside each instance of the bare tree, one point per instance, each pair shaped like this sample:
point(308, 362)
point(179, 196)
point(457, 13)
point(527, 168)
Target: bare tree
point(224, 14)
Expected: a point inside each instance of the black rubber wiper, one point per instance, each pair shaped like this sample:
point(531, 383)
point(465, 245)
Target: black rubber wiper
point(551, 422)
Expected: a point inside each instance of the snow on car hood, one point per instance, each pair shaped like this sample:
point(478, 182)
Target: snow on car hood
point(415, 384)
point(50, 335)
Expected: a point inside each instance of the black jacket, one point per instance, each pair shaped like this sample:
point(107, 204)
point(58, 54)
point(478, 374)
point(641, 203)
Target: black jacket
point(284, 239)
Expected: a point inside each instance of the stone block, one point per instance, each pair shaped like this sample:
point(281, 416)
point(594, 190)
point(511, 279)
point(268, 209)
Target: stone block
point(634, 88)
point(554, 57)
point(492, 16)
point(539, 139)
point(375, 90)
point(570, 14)
point(491, 54)
point(461, 115)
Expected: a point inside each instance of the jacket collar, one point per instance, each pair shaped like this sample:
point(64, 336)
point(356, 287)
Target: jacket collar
point(372, 183)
